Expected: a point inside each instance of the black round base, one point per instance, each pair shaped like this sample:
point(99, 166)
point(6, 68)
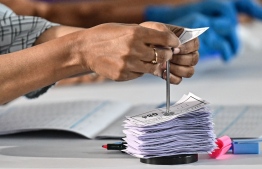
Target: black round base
point(171, 160)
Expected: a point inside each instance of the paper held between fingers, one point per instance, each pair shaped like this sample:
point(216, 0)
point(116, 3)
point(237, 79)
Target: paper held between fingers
point(189, 34)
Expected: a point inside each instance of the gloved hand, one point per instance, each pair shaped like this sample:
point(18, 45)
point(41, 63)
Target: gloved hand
point(249, 7)
point(221, 16)
point(219, 40)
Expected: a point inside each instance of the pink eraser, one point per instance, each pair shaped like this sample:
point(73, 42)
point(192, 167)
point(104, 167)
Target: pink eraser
point(223, 145)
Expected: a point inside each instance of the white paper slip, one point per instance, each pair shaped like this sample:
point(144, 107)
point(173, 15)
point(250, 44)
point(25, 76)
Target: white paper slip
point(189, 34)
point(186, 104)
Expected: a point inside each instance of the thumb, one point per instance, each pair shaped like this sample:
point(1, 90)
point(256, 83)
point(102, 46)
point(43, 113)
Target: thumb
point(177, 30)
point(155, 25)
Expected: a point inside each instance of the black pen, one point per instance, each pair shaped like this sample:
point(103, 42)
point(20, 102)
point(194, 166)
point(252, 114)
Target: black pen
point(115, 146)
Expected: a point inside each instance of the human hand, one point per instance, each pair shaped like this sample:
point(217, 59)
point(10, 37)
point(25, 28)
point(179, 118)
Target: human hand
point(185, 57)
point(123, 52)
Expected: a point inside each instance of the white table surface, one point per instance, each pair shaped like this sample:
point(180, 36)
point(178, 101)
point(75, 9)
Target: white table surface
point(65, 150)
point(235, 83)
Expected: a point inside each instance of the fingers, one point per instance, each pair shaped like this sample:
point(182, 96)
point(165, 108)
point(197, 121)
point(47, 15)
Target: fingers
point(155, 25)
point(175, 29)
point(173, 78)
point(153, 64)
point(178, 72)
point(181, 66)
point(158, 38)
point(145, 67)
point(189, 47)
point(158, 34)
point(160, 55)
point(225, 49)
point(190, 59)
point(212, 43)
point(182, 71)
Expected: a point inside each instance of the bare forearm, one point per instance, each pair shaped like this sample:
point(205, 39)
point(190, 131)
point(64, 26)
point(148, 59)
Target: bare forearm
point(56, 32)
point(132, 11)
point(37, 67)
point(26, 7)
point(88, 14)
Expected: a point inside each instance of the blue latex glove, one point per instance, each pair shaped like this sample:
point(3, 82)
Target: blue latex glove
point(219, 40)
point(220, 16)
point(249, 7)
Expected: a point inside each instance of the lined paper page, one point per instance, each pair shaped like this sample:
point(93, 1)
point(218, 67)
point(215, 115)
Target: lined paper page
point(84, 117)
point(238, 121)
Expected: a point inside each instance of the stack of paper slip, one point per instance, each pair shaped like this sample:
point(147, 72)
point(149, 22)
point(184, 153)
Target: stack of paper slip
point(186, 129)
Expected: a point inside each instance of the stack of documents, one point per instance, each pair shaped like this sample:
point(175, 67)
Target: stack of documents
point(186, 129)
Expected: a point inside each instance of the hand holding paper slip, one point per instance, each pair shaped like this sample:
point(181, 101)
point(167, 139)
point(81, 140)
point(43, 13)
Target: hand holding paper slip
point(184, 128)
point(189, 34)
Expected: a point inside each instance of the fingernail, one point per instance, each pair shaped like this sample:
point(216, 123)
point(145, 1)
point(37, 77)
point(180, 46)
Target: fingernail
point(176, 51)
point(163, 65)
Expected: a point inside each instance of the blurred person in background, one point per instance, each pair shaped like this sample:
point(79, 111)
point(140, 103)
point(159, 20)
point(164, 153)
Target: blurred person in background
point(222, 16)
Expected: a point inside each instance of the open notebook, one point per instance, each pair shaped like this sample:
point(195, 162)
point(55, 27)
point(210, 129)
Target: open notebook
point(84, 117)
point(238, 121)
point(104, 119)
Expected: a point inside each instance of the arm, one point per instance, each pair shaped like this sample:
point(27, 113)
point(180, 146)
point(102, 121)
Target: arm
point(19, 33)
point(26, 7)
point(37, 67)
point(116, 51)
point(88, 14)
point(120, 53)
